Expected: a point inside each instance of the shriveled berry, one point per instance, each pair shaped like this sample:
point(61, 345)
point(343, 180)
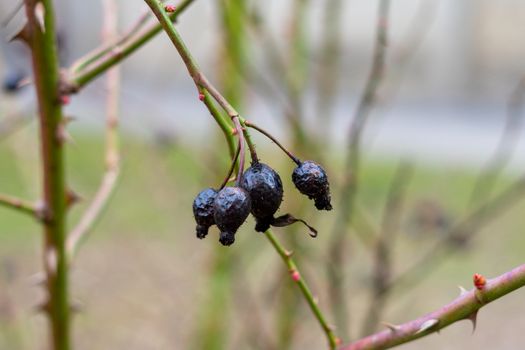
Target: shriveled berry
point(203, 211)
point(311, 180)
point(266, 192)
point(231, 208)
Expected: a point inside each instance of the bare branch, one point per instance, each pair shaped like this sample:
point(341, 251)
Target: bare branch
point(18, 204)
point(505, 148)
point(350, 183)
point(463, 230)
point(117, 52)
point(462, 308)
point(110, 178)
point(384, 245)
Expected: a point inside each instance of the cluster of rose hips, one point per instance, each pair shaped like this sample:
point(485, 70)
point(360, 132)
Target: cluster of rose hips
point(259, 191)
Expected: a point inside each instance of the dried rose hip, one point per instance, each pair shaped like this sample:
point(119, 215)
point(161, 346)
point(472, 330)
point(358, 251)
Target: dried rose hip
point(266, 192)
point(231, 208)
point(311, 180)
point(203, 211)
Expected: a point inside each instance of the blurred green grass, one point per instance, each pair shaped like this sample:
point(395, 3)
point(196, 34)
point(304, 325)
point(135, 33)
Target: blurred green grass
point(143, 269)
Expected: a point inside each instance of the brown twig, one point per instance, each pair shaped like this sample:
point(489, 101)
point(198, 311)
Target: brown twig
point(109, 180)
point(350, 184)
point(383, 263)
point(18, 204)
point(464, 307)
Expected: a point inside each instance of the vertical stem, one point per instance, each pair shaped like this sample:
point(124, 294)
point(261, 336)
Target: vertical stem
point(41, 39)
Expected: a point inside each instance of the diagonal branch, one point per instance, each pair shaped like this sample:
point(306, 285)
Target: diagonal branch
point(18, 204)
point(307, 293)
point(464, 307)
point(116, 53)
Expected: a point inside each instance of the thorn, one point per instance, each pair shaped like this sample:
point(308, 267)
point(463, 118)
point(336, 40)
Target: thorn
point(40, 15)
point(462, 291)
point(393, 327)
point(473, 317)
point(72, 198)
point(428, 324)
point(42, 307)
point(338, 341)
point(22, 35)
point(201, 96)
point(234, 131)
point(316, 300)
point(62, 134)
point(288, 253)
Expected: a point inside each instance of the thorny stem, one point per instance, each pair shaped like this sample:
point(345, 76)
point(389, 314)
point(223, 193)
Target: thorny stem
point(41, 40)
point(464, 307)
point(112, 158)
point(270, 136)
point(350, 185)
point(305, 289)
point(18, 204)
point(120, 51)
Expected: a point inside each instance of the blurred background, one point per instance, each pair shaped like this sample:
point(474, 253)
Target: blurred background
point(413, 107)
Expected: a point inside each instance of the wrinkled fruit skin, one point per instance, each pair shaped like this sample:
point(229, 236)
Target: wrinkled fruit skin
point(265, 188)
point(203, 211)
point(231, 208)
point(311, 180)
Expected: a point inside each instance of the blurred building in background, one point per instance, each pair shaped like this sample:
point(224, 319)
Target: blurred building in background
point(449, 63)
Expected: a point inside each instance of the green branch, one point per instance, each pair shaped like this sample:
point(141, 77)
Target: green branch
point(40, 36)
point(116, 53)
point(201, 82)
point(305, 290)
